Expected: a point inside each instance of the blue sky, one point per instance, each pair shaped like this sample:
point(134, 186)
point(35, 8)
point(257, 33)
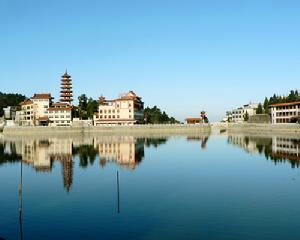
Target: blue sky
point(183, 56)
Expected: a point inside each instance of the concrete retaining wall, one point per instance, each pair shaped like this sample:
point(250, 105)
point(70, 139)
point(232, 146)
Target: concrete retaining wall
point(264, 128)
point(145, 129)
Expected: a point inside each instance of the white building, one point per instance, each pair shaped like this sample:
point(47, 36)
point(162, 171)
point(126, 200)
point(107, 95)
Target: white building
point(40, 111)
point(34, 110)
point(60, 114)
point(285, 112)
point(128, 109)
point(238, 114)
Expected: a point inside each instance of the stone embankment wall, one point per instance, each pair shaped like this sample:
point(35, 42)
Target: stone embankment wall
point(143, 129)
point(260, 128)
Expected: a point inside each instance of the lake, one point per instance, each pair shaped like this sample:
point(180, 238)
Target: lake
point(219, 186)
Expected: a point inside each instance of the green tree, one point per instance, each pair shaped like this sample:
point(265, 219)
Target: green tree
point(266, 106)
point(259, 109)
point(246, 117)
point(82, 102)
point(92, 107)
point(82, 106)
point(10, 99)
point(155, 116)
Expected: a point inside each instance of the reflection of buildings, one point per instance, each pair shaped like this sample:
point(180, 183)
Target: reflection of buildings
point(286, 148)
point(277, 149)
point(202, 139)
point(248, 143)
point(126, 151)
point(41, 154)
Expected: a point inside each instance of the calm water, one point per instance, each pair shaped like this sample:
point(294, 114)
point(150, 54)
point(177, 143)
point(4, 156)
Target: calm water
point(164, 187)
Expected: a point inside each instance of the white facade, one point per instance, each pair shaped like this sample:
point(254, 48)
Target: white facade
point(40, 111)
point(126, 110)
point(285, 112)
point(238, 114)
point(60, 114)
point(34, 110)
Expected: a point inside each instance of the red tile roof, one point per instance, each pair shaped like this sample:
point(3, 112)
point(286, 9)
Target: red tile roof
point(26, 102)
point(284, 104)
point(42, 96)
point(59, 104)
point(193, 119)
point(61, 108)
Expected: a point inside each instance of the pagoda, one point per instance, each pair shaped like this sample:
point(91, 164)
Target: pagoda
point(66, 92)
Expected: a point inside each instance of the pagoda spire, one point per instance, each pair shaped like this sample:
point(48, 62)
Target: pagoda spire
point(66, 92)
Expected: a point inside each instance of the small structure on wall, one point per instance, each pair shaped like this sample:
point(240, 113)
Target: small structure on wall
point(202, 119)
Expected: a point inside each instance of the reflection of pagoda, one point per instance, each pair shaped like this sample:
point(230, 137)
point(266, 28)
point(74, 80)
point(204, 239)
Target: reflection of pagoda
point(67, 171)
point(66, 92)
point(41, 154)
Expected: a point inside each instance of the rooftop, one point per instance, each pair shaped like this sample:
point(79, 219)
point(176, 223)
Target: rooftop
point(26, 102)
point(42, 96)
point(284, 104)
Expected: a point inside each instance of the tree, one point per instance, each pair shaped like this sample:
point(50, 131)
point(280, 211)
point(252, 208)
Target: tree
point(92, 106)
point(155, 116)
point(259, 109)
point(10, 99)
point(82, 102)
point(246, 117)
point(266, 106)
point(292, 96)
point(82, 106)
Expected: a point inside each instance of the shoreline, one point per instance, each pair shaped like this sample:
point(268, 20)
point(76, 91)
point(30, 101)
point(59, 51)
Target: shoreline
point(250, 128)
point(259, 128)
point(135, 129)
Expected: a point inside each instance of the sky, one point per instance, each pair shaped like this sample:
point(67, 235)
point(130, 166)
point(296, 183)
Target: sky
point(182, 56)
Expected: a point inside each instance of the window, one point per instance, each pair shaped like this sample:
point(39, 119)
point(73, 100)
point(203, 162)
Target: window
point(100, 111)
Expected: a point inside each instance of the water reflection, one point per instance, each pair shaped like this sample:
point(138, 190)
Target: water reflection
point(279, 149)
point(41, 154)
point(202, 139)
